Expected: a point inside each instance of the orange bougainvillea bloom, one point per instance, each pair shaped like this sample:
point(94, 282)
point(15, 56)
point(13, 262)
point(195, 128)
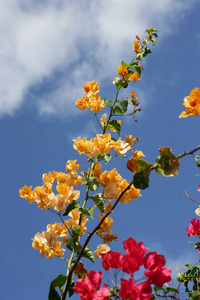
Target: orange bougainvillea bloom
point(43, 196)
point(108, 238)
point(122, 70)
point(71, 165)
point(136, 47)
point(137, 37)
point(103, 248)
point(108, 178)
point(132, 76)
point(192, 104)
point(91, 88)
point(26, 193)
point(47, 243)
point(130, 194)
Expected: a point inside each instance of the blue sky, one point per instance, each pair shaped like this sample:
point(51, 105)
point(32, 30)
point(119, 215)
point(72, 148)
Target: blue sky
point(49, 50)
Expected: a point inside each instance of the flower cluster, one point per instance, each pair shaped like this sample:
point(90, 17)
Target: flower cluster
point(192, 104)
point(91, 100)
point(103, 144)
point(129, 263)
point(44, 195)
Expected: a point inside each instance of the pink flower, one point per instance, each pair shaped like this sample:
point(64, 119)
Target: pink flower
point(86, 287)
point(199, 188)
point(157, 274)
point(130, 264)
point(111, 260)
point(135, 249)
point(135, 292)
point(194, 227)
point(103, 293)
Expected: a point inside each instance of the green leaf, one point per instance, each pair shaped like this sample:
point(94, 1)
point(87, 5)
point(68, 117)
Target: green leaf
point(115, 125)
point(197, 159)
point(88, 254)
point(108, 102)
point(105, 156)
point(141, 179)
point(124, 105)
point(92, 183)
point(87, 211)
point(121, 83)
point(156, 288)
point(197, 211)
point(70, 207)
point(99, 201)
point(118, 110)
point(167, 163)
point(59, 281)
point(170, 289)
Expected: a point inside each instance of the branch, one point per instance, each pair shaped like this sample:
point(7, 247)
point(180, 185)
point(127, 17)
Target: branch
point(188, 152)
point(88, 239)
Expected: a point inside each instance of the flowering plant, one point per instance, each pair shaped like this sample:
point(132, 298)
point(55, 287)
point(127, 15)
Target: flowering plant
point(60, 194)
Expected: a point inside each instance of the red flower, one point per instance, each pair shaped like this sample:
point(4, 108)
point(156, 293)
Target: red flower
point(157, 274)
point(111, 260)
point(130, 264)
point(135, 249)
point(194, 228)
point(87, 287)
point(199, 188)
point(135, 292)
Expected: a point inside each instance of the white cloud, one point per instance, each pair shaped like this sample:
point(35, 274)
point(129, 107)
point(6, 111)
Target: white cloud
point(65, 43)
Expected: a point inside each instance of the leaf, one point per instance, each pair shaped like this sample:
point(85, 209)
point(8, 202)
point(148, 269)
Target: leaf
point(197, 159)
point(59, 281)
point(108, 102)
point(137, 165)
point(99, 201)
point(106, 157)
point(115, 125)
point(88, 254)
point(92, 183)
point(87, 211)
point(124, 105)
point(197, 211)
point(118, 110)
point(170, 289)
point(167, 163)
point(70, 207)
point(121, 83)
point(141, 179)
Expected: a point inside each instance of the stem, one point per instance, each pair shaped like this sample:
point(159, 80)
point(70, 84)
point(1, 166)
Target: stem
point(111, 110)
point(65, 290)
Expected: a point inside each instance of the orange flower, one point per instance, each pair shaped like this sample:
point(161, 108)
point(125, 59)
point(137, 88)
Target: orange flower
point(137, 37)
point(131, 140)
point(192, 104)
point(132, 76)
point(26, 193)
point(131, 194)
point(121, 147)
point(108, 238)
point(136, 47)
point(106, 225)
point(122, 70)
point(108, 178)
point(43, 196)
point(138, 154)
point(101, 249)
point(66, 195)
point(47, 243)
point(91, 88)
point(71, 165)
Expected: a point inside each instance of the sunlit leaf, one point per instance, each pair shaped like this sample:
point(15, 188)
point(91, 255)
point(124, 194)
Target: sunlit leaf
point(167, 163)
point(70, 207)
point(137, 165)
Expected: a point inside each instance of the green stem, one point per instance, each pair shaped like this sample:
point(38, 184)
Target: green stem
point(111, 110)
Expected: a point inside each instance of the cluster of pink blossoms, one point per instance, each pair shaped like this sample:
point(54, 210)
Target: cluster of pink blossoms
point(88, 288)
